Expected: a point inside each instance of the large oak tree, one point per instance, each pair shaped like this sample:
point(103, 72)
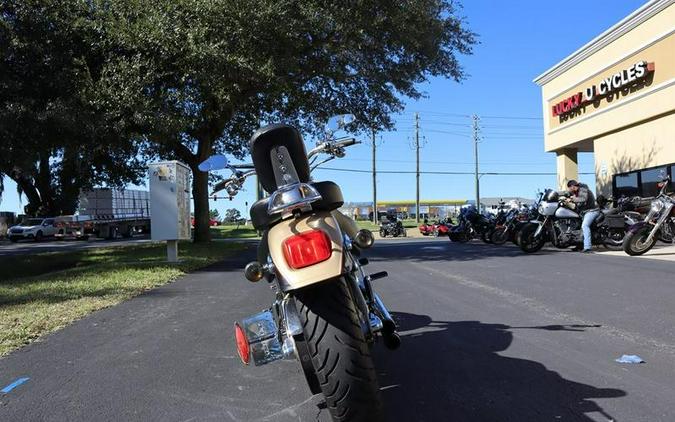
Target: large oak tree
point(203, 74)
point(57, 135)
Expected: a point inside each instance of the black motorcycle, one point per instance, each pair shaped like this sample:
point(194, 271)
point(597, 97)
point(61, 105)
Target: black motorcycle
point(470, 223)
point(391, 226)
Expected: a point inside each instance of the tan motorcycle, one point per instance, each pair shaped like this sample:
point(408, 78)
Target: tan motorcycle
point(325, 314)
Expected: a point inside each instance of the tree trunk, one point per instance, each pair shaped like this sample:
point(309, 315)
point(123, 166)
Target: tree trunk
point(200, 193)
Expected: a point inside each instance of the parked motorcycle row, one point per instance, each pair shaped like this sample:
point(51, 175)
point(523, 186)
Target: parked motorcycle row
point(631, 224)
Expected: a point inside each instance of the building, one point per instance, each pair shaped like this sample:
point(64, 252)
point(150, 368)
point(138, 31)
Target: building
point(615, 97)
point(492, 205)
point(437, 208)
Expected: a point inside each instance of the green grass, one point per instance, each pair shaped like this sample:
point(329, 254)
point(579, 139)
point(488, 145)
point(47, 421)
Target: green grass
point(44, 292)
point(232, 231)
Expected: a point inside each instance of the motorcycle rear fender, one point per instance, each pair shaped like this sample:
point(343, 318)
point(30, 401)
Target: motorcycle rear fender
point(292, 279)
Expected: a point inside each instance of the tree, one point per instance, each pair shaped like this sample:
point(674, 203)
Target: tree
point(213, 214)
point(232, 215)
point(57, 134)
point(204, 74)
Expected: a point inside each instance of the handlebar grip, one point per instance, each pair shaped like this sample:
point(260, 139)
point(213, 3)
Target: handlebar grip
point(348, 142)
point(220, 186)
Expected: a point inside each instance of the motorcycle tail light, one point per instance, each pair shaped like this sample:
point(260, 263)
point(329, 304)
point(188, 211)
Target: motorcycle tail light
point(307, 248)
point(243, 347)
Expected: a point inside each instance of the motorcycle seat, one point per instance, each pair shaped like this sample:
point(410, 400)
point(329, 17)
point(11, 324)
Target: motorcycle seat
point(331, 199)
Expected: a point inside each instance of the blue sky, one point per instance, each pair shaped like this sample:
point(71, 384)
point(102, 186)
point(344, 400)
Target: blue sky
point(519, 40)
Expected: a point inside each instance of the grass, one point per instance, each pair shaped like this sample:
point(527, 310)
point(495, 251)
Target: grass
point(44, 292)
point(233, 231)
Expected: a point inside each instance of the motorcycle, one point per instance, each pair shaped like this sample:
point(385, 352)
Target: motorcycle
point(392, 227)
point(439, 228)
point(561, 225)
point(503, 232)
point(470, 223)
point(325, 313)
point(658, 224)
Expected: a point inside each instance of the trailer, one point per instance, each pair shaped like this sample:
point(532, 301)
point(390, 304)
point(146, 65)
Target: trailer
point(107, 213)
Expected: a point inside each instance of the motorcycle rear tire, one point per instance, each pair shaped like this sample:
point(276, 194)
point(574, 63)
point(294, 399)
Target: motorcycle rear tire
point(614, 243)
point(339, 351)
point(499, 236)
point(485, 236)
point(527, 242)
point(633, 243)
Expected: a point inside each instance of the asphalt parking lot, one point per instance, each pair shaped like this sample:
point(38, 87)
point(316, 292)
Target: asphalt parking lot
point(489, 334)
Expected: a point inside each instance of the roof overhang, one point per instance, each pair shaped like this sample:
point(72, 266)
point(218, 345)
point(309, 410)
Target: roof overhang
point(631, 21)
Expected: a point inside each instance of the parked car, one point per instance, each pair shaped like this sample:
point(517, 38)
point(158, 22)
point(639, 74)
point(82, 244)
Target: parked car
point(33, 229)
point(212, 222)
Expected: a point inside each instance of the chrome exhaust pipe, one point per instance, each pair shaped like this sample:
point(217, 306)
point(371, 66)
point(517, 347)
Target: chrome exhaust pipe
point(388, 324)
point(389, 335)
point(258, 339)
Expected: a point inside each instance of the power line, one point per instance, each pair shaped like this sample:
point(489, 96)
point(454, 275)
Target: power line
point(487, 173)
point(511, 118)
point(506, 163)
point(466, 135)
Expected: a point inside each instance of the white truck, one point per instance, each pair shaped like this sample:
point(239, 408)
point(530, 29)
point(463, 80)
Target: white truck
point(33, 229)
point(107, 213)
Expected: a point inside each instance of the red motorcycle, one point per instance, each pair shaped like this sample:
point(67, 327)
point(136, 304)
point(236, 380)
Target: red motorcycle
point(439, 228)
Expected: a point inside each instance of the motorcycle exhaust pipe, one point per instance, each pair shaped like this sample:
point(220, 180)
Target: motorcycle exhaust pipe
point(258, 339)
point(391, 338)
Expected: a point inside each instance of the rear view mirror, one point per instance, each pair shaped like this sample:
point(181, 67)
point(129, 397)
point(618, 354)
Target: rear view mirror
point(339, 122)
point(214, 162)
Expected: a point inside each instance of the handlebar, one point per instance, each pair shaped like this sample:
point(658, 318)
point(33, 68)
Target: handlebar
point(220, 186)
point(347, 142)
point(234, 183)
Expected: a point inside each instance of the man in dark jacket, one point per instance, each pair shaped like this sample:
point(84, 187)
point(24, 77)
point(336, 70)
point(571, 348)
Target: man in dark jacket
point(583, 199)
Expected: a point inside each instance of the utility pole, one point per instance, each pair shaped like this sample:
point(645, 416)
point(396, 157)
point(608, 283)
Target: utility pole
point(375, 216)
point(476, 139)
point(417, 150)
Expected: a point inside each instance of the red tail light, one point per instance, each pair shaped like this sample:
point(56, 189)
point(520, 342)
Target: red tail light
point(242, 344)
point(307, 248)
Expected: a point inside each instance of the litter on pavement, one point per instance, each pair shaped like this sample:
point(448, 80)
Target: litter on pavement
point(630, 359)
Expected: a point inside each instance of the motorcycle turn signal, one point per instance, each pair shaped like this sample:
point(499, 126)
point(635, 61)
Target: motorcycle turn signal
point(254, 271)
point(364, 239)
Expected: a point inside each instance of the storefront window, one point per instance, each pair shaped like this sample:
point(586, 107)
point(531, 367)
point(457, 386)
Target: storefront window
point(649, 179)
point(626, 185)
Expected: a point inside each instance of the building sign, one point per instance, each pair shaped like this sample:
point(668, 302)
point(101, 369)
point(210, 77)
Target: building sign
point(616, 82)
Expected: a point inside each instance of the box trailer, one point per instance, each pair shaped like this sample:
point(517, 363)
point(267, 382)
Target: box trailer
point(107, 213)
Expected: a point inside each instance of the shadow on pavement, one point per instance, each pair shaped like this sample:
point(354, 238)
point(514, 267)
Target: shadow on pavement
point(453, 371)
point(439, 250)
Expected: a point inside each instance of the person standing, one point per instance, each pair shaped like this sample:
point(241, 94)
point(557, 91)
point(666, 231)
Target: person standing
point(584, 200)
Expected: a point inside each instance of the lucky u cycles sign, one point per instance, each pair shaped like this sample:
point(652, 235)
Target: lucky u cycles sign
point(606, 86)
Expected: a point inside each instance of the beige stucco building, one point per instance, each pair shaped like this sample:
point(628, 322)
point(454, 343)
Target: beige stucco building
point(615, 97)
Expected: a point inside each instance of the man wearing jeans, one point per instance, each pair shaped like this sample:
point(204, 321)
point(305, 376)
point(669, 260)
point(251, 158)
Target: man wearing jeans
point(583, 199)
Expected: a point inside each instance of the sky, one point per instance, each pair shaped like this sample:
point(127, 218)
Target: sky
point(518, 41)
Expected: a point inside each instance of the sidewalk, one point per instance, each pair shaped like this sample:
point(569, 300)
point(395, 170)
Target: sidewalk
point(660, 251)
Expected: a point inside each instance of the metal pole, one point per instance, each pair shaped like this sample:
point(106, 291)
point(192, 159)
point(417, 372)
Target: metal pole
point(475, 156)
point(375, 219)
point(417, 150)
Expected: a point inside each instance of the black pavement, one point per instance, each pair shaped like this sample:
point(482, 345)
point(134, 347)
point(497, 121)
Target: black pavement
point(489, 334)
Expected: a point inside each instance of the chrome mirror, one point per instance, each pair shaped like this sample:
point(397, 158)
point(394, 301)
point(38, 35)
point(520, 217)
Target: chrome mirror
point(339, 122)
point(214, 162)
